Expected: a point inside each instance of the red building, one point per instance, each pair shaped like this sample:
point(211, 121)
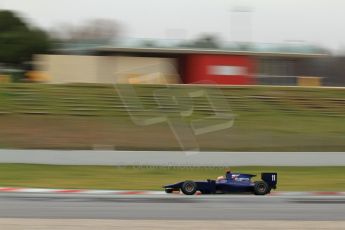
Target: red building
point(219, 69)
point(219, 66)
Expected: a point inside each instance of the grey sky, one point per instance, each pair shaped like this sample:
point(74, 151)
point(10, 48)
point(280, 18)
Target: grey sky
point(319, 22)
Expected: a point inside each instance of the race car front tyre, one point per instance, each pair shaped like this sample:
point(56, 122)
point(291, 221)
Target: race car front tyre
point(169, 190)
point(261, 188)
point(189, 187)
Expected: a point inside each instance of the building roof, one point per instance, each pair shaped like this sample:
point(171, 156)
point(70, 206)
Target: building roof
point(171, 46)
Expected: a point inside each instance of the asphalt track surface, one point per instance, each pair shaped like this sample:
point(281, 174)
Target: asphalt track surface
point(172, 158)
point(172, 207)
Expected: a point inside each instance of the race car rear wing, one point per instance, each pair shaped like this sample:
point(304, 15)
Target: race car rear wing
point(270, 178)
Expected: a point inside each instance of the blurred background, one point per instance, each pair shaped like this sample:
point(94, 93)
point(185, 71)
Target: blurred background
point(182, 75)
point(89, 74)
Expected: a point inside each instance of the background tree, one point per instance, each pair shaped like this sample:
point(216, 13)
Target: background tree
point(95, 30)
point(207, 41)
point(18, 40)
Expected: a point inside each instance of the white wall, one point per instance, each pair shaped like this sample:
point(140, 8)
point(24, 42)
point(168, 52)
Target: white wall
point(107, 69)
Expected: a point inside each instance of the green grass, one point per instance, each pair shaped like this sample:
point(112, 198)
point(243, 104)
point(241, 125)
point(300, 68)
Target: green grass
point(80, 116)
point(152, 178)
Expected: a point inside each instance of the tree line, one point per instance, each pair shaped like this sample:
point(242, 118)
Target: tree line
point(19, 40)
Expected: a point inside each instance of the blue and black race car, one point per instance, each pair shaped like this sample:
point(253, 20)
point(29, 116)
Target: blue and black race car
point(230, 183)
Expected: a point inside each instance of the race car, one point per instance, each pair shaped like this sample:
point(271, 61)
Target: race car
point(231, 183)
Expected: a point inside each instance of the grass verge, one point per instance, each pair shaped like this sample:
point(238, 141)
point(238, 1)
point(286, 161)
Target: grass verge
point(152, 178)
point(42, 116)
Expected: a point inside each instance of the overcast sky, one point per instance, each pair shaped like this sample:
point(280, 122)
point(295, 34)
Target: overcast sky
point(320, 22)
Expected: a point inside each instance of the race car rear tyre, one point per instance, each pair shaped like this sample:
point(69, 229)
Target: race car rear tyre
point(189, 187)
point(169, 190)
point(261, 188)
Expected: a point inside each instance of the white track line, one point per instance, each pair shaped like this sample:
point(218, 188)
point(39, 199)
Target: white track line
point(139, 192)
